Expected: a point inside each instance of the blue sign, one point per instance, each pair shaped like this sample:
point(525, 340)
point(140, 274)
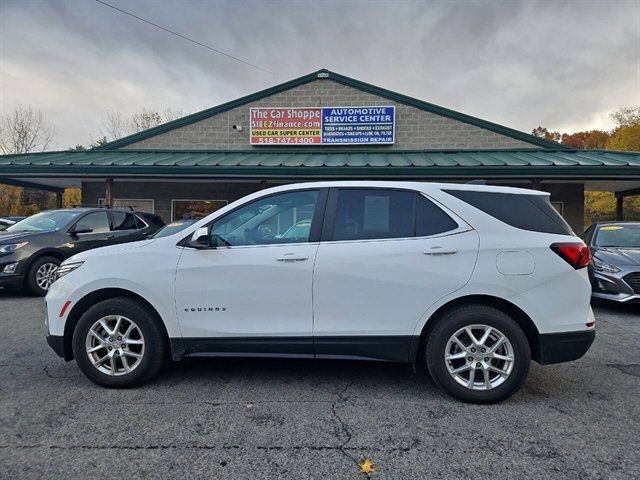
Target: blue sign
point(358, 125)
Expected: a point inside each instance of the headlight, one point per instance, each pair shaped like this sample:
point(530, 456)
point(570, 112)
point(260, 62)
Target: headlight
point(67, 268)
point(12, 247)
point(604, 267)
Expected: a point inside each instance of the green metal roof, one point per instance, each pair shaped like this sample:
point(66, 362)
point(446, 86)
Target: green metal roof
point(304, 163)
point(344, 80)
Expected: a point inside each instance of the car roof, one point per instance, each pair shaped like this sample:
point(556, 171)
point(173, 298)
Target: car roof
point(420, 186)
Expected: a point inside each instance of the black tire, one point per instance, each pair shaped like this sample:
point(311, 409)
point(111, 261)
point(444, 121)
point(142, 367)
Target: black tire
point(30, 280)
point(155, 342)
point(458, 318)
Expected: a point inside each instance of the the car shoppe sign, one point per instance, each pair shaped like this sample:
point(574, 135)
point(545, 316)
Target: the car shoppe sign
point(322, 126)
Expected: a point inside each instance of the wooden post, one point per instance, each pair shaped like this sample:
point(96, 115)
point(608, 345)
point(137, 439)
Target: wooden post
point(619, 208)
point(108, 195)
point(535, 184)
point(59, 195)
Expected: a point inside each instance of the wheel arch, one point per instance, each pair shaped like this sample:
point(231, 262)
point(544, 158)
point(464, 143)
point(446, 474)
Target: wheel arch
point(91, 299)
point(519, 316)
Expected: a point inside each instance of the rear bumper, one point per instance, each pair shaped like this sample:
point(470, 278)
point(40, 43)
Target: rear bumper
point(563, 347)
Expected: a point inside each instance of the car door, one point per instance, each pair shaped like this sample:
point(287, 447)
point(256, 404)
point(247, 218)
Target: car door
point(126, 227)
point(99, 236)
point(251, 294)
point(386, 256)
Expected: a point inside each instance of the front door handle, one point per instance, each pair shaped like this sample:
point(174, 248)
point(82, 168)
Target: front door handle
point(292, 257)
point(109, 237)
point(440, 251)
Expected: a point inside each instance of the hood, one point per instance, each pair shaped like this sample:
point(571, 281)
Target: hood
point(16, 237)
point(109, 250)
point(617, 256)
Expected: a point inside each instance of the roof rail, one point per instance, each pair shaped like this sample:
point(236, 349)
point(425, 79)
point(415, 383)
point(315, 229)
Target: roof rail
point(478, 181)
point(103, 205)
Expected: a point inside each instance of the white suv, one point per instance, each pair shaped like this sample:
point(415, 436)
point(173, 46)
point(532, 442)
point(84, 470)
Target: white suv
point(472, 281)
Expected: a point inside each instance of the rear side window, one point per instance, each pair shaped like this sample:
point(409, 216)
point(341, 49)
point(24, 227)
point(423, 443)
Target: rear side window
point(124, 221)
point(431, 219)
point(528, 212)
point(363, 214)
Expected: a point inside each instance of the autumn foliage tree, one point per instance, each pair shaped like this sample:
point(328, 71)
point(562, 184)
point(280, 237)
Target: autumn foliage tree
point(601, 206)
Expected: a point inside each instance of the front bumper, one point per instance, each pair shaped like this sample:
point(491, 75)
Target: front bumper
point(56, 342)
point(563, 347)
point(11, 281)
point(618, 287)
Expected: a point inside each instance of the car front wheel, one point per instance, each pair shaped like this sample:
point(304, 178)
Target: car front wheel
point(41, 275)
point(478, 354)
point(118, 343)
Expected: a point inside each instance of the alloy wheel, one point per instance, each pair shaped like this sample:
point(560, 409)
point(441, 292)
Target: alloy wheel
point(115, 345)
point(46, 275)
point(479, 357)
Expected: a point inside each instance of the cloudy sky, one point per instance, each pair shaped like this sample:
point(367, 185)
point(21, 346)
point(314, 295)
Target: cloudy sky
point(564, 65)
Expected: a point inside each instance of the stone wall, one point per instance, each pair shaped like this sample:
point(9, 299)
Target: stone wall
point(415, 129)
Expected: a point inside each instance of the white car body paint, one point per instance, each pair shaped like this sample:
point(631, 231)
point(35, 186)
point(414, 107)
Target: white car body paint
point(349, 288)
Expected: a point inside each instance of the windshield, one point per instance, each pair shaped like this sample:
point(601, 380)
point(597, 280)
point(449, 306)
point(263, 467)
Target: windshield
point(172, 228)
point(625, 235)
point(44, 222)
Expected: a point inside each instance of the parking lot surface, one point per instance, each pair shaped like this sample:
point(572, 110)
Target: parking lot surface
point(230, 418)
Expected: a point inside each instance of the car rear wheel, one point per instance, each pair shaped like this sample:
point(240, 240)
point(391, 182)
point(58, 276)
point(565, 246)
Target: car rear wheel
point(41, 275)
point(478, 354)
point(118, 343)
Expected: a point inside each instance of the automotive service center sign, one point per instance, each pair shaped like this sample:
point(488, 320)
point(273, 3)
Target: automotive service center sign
point(322, 126)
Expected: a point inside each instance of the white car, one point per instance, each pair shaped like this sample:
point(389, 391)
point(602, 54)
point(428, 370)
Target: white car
point(472, 281)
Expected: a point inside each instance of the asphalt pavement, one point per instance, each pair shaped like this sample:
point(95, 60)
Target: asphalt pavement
point(272, 419)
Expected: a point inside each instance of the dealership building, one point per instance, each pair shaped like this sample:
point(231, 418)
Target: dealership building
point(322, 126)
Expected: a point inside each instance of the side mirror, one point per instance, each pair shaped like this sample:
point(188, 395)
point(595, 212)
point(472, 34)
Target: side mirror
point(80, 229)
point(200, 239)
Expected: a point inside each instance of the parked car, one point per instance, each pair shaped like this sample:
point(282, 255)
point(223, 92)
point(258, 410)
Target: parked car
point(31, 250)
point(471, 281)
point(173, 228)
point(615, 271)
point(6, 222)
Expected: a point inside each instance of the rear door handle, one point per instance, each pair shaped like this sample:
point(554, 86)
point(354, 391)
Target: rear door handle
point(108, 237)
point(292, 257)
point(440, 251)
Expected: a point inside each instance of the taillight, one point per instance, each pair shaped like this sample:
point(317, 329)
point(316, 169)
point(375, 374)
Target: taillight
point(575, 254)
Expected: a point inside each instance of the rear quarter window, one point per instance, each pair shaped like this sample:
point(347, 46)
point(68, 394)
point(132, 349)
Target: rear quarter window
point(528, 212)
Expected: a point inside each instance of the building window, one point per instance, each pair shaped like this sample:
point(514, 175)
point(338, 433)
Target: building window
point(183, 209)
point(139, 204)
point(559, 206)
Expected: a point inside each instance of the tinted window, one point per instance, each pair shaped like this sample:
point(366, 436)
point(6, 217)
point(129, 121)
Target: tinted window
point(363, 214)
point(529, 212)
point(431, 219)
point(98, 221)
point(124, 221)
point(283, 218)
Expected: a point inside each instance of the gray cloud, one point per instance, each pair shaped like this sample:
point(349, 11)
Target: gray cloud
point(565, 65)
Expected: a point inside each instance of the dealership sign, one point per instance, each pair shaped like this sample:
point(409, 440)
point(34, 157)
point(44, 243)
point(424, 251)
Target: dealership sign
point(322, 126)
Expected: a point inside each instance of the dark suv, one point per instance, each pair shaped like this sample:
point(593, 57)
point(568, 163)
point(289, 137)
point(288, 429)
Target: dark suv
point(32, 249)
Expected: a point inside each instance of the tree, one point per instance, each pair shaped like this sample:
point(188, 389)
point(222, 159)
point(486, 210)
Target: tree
point(627, 116)
point(542, 132)
point(25, 131)
point(115, 125)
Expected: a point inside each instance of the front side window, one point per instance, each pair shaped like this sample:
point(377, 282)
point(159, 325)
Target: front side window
point(277, 219)
point(97, 221)
point(363, 214)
